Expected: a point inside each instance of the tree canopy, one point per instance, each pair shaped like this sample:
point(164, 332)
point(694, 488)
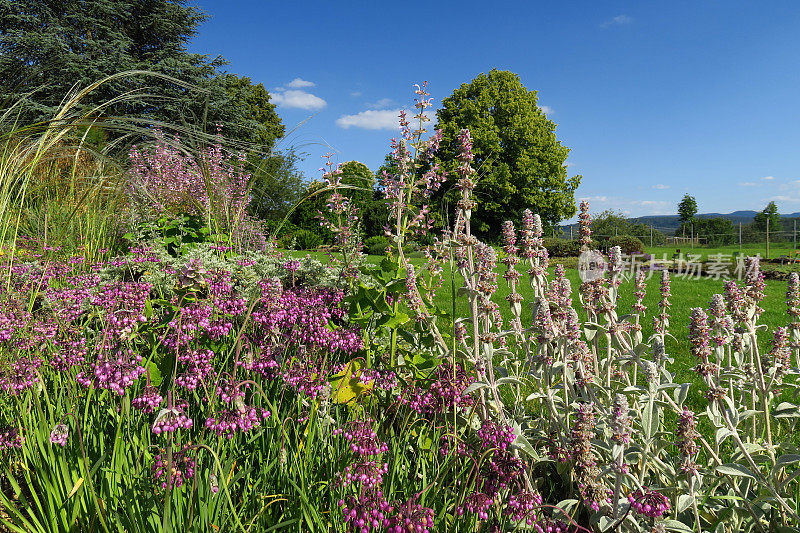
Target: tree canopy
point(520, 162)
point(769, 213)
point(48, 47)
point(687, 209)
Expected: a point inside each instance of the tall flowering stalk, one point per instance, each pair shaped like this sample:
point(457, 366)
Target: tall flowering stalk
point(342, 221)
point(793, 308)
point(167, 180)
point(415, 178)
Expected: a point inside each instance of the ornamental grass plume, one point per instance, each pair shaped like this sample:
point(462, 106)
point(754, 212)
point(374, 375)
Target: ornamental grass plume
point(164, 179)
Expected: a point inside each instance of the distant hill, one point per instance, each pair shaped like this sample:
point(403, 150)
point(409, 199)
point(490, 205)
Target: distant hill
point(671, 222)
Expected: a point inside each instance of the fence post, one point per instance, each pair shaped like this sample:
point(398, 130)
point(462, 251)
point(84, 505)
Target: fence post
point(691, 235)
point(740, 236)
point(651, 236)
point(767, 238)
point(794, 236)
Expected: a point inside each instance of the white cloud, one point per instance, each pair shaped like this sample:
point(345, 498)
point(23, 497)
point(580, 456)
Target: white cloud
point(299, 83)
point(381, 104)
point(660, 186)
point(547, 110)
point(298, 100)
point(595, 198)
point(355, 94)
point(768, 178)
point(377, 119)
point(386, 119)
point(630, 206)
point(568, 164)
point(619, 20)
point(747, 184)
point(789, 199)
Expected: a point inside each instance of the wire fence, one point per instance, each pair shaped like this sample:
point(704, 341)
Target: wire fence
point(743, 236)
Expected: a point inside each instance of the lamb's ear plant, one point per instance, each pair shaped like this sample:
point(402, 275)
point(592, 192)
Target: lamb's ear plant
point(219, 389)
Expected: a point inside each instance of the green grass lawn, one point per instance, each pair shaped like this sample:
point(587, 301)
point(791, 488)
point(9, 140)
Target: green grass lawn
point(776, 249)
point(687, 293)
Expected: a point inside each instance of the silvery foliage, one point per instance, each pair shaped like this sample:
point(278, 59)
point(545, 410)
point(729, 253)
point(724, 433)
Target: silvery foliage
point(740, 475)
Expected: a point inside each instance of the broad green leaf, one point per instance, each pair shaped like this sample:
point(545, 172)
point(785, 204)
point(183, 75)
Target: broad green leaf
point(732, 469)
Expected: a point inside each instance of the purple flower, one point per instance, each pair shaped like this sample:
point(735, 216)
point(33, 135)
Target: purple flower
point(686, 441)
point(411, 517)
point(362, 438)
point(148, 400)
point(59, 434)
point(176, 472)
point(478, 504)
point(649, 503)
point(10, 438)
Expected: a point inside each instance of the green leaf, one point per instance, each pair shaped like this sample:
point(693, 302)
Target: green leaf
point(523, 444)
point(650, 419)
point(674, 525)
point(732, 469)
point(786, 410)
point(786, 459)
point(681, 393)
point(684, 502)
point(722, 434)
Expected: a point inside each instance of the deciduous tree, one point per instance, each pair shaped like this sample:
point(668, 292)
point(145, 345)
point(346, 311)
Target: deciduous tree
point(519, 160)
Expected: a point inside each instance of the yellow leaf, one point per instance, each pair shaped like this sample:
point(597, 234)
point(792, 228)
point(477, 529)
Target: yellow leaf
point(348, 387)
point(75, 488)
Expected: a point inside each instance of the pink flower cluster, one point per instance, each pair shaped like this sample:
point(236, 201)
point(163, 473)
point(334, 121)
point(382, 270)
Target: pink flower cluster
point(176, 472)
point(362, 438)
point(59, 434)
point(10, 438)
point(649, 503)
point(444, 393)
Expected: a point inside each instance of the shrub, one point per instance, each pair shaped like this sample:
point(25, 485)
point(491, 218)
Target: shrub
point(562, 247)
point(629, 245)
point(376, 245)
point(306, 240)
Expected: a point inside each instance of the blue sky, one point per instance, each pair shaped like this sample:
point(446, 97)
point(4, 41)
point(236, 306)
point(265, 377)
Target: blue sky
point(655, 99)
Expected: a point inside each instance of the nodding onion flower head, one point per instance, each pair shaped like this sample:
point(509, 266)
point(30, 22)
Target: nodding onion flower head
point(10, 438)
point(170, 419)
point(174, 472)
point(649, 503)
point(59, 434)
